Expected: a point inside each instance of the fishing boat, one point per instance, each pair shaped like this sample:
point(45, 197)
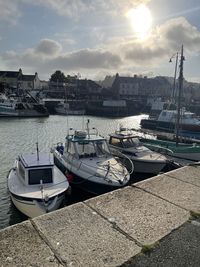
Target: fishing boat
point(36, 185)
point(128, 144)
point(167, 120)
point(182, 150)
point(177, 149)
point(87, 162)
point(17, 106)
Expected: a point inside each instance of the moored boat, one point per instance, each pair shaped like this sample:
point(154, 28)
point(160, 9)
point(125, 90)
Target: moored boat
point(15, 106)
point(179, 120)
point(88, 163)
point(36, 185)
point(128, 144)
point(63, 108)
point(180, 150)
point(167, 121)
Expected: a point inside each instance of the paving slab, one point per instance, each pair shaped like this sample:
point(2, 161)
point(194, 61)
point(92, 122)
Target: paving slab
point(81, 237)
point(20, 245)
point(180, 193)
point(141, 215)
point(189, 174)
point(179, 249)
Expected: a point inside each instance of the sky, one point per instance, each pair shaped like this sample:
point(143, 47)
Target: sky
point(95, 38)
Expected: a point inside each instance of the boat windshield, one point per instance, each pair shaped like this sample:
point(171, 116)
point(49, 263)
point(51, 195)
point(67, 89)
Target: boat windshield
point(36, 175)
point(92, 148)
point(130, 142)
point(125, 142)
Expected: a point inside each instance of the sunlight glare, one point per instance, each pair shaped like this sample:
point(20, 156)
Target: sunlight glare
point(141, 20)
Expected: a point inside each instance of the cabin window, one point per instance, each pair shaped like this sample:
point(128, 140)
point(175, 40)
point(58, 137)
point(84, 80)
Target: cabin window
point(40, 174)
point(127, 142)
point(101, 148)
point(116, 142)
point(85, 148)
point(71, 148)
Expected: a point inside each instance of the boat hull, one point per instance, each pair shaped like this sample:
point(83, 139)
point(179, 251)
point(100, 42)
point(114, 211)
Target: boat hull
point(85, 184)
point(33, 208)
point(70, 112)
point(167, 126)
point(23, 114)
point(148, 167)
point(184, 151)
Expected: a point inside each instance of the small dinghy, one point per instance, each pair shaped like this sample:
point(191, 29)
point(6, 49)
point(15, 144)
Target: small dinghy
point(36, 185)
point(87, 162)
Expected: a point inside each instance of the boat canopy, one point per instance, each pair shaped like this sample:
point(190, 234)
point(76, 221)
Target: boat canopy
point(33, 170)
point(86, 146)
point(124, 141)
point(34, 160)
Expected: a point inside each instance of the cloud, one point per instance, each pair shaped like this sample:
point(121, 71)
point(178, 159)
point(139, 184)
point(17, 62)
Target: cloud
point(179, 31)
point(89, 59)
point(62, 7)
point(9, 11)
point(118, 55)
point(76, 8)
point(47, 56)
point(165, 41)
point(48, 47)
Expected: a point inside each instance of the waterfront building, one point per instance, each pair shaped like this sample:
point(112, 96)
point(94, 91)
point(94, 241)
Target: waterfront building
point(16, 79)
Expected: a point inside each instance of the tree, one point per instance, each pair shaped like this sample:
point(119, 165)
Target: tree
point(58, 76)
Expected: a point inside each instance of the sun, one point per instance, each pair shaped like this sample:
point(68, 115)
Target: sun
point(141, 20)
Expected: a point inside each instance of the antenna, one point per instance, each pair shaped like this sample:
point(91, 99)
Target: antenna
point(83, 118)
point(67, 125)
point(87, 128)
point(37, 152)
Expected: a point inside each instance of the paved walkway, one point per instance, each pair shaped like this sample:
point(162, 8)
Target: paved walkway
point(115, 228)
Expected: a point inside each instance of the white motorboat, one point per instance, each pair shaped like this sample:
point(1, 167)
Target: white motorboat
point(63, 108)
point(88, 163)
point(36, 185)
point(128, 144)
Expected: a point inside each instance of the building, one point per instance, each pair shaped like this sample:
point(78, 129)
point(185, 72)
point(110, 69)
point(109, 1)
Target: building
point(10, 78)
point(140, 87)
point(29, 82)
point(16, 79)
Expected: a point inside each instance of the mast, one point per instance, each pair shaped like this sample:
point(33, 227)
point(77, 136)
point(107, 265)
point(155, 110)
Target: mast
point(180, 87)
point(174, 83)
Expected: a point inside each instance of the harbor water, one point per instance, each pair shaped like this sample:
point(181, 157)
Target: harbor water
point(20, 136)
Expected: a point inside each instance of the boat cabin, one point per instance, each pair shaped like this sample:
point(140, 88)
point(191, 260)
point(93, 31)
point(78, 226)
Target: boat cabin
point(124, 140)
point(185, 116)
point(34, 171)
point(82, 145)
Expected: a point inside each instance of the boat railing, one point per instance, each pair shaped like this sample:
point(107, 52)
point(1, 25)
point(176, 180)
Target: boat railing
point(123, 157)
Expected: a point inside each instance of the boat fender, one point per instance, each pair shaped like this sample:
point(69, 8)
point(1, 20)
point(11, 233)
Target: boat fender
point(46, 199)
point(69, 191)
point(70, 177)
